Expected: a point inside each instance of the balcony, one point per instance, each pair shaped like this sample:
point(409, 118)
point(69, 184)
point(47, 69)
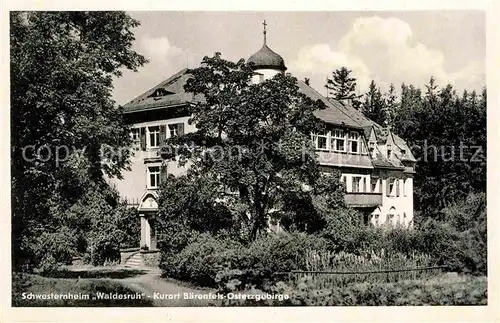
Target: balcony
point(363, 199)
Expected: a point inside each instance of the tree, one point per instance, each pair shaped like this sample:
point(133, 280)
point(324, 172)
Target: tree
point(342, 86)
point(252, 147)
point(63, 117)
point(448, 137)
point(391, 104)
point(374, 105)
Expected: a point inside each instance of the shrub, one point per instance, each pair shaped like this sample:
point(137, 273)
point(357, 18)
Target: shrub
point(54, 248)
point(279, 253)
point(440, 291)
point(460, 251)
point(199, 261)
point(215, 261)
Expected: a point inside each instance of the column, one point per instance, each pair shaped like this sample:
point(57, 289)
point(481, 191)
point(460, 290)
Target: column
point(143, 230)
point(152, 228)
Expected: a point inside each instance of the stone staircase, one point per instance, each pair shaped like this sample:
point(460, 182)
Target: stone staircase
point(135, 261)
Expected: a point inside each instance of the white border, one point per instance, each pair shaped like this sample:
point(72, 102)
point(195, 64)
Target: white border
point(289, 314)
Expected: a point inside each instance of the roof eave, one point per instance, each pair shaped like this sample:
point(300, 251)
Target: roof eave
point(146, 108)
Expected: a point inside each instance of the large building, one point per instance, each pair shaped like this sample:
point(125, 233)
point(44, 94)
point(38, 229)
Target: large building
point(377, 166)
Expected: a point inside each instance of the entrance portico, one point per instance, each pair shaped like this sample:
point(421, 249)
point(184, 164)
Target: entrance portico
point(147, 212)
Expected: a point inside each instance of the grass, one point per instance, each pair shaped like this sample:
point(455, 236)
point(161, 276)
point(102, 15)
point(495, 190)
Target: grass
point(24, 284)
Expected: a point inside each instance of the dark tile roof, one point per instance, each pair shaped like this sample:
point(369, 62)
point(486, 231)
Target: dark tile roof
point(383, 162)
point(334, 113)
point(174, 85)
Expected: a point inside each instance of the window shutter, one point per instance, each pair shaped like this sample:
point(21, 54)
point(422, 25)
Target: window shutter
point(143, 138)
point(163, 172)
point(388, 187)
point(397, 187)
point(163, 134)
point(180, 129)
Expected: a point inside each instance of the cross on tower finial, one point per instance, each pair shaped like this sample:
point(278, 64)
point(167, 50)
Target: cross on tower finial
point(265, 24)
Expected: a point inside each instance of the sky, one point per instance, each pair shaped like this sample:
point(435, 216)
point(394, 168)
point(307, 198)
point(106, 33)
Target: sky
point(388, 47)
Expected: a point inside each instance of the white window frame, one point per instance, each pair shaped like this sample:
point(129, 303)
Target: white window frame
point(358, 189)
point(155, 173)
point(315, 139)
point(353, 136)
point(392, 186)
point(338, 134)
point(173, 127)
point(157, 136)
point(135, 134)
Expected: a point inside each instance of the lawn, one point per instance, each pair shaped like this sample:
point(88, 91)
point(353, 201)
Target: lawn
point(94, 292)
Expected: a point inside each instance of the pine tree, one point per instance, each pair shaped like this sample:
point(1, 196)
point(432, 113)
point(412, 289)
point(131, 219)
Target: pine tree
point(391, 105)
point(374, 104)
point(342, 86)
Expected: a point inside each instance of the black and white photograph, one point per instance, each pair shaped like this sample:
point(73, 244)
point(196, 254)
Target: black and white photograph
point(248, 158)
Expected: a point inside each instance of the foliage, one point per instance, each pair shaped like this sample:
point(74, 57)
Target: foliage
point(342, 86)
point(100, 225)
point(54, 248)
point(447, 134)
point(192, 204)
point(215, 261)
point(64, 122)
point(252, 149)
point(345, 231)
point(199, 261)
point(369, 261)
point(374, 105)
point(439, 291)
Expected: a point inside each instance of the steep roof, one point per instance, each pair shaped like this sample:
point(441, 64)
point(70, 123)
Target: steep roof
point(173, 94)
point(334, 112)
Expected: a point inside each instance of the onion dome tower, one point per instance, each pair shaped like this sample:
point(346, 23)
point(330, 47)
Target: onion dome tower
point(266, 63)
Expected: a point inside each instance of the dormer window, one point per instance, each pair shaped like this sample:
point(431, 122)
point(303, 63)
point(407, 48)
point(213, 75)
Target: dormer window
point(389, 151)
point(158, 93)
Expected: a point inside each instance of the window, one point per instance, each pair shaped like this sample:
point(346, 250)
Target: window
point(371, 147)
point(338, 140)
point(153, 176)
point(356, 183)
point(154, 137)
point(173, 130)
point(389, 151)
point(321, 142)
point(391, 186)
point(353, 142)
point(374, 184)
point(135, 134)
